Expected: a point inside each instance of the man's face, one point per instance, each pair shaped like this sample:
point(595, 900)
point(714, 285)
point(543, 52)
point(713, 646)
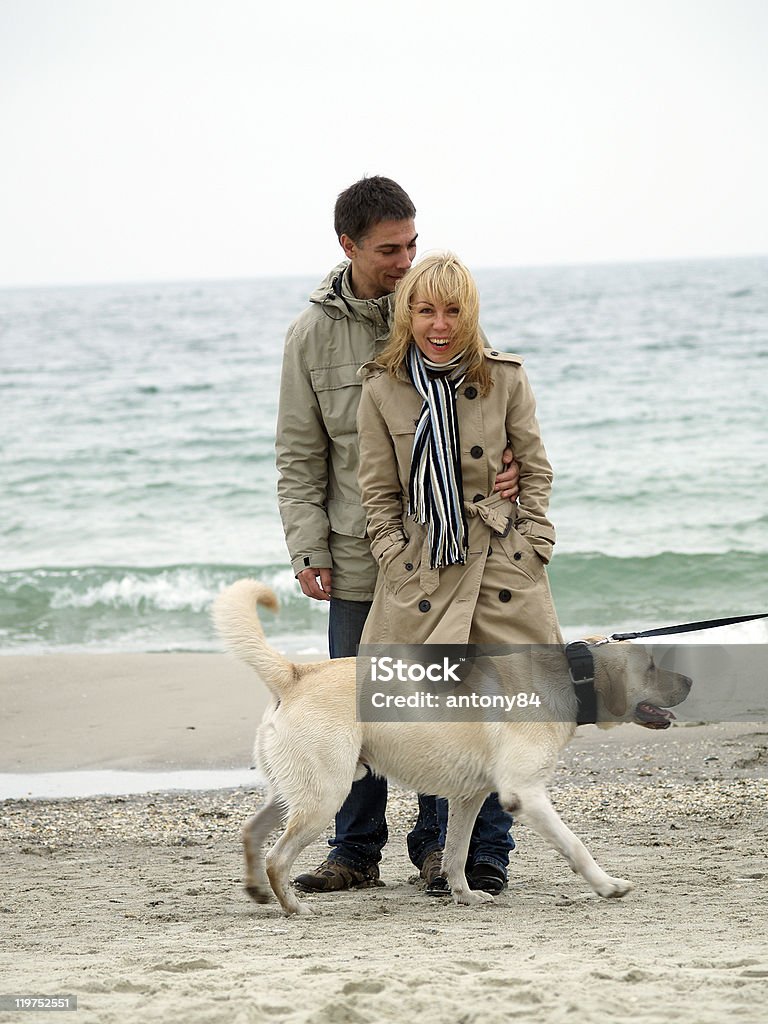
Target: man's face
point(381, 258)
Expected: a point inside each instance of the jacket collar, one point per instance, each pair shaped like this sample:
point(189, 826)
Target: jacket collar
point(335, 295)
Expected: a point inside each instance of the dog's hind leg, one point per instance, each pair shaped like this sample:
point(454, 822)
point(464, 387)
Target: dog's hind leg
point(536, 810)
point(304, 825)
point(255, 832)
point(461, 819)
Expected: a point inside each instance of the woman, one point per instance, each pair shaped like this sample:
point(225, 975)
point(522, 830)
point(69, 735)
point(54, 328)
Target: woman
point(457, 562)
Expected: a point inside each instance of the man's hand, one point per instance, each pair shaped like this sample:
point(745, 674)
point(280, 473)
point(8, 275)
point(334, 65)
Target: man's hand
point(507, 479)
point(316, 583)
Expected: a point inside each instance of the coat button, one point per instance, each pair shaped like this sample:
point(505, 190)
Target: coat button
point(409, 566)
point(478, 497)
point(424, 606)
point(490, 552)
point(476, 452)
point(517, 556)
point(494, 353)
point(504, 596)
point(470, 392)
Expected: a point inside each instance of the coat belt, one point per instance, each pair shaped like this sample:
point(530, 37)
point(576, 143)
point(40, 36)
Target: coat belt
point(493, 518)
point(491, 515)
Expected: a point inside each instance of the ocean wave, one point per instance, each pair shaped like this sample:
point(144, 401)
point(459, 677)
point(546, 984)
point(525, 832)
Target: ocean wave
point(166, 608)
point(100, 608)
point(181, 589)
point(165, 588)
point(616, 594)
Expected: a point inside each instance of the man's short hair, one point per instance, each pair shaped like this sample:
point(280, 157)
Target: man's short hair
point(366, 203)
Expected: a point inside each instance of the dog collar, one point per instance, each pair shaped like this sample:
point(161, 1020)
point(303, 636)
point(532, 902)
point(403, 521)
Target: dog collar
point(581, 669)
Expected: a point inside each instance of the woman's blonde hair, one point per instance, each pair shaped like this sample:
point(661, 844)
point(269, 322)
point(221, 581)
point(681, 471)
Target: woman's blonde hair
point(439, 277)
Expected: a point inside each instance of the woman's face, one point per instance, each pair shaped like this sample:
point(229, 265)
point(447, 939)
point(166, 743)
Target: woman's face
point(433, 325)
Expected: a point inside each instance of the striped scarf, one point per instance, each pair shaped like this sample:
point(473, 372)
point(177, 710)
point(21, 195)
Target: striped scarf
point(435, 491)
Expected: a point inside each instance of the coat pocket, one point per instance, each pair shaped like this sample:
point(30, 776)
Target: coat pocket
point(520, 554)
point(403, 564)
point(338, 390)
point(346, 518)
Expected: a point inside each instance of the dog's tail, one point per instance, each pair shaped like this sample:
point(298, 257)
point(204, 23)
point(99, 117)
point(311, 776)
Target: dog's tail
point(237, 622)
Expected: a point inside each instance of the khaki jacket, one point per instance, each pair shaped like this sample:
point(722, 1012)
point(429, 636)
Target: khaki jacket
point(316, 437)
point(502, 593)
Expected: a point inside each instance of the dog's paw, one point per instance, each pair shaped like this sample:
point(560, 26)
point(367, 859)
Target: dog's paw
point(258, 893)
point(299, 908)
point(614, 888)
point(471, 897)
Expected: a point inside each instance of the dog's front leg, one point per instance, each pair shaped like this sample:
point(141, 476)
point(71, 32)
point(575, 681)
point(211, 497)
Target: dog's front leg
point(461, 819)
point(536, 810)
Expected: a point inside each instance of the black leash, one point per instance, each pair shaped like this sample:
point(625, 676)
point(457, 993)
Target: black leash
point(688, 627)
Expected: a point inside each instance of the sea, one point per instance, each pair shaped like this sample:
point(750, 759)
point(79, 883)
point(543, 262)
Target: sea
point(137, 435)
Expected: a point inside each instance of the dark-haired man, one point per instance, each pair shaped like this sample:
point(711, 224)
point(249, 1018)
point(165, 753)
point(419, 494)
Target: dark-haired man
point(346, 325)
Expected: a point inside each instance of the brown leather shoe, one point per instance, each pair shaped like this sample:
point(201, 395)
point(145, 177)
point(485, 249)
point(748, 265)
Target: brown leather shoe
point(435, 882)
point(333, 876)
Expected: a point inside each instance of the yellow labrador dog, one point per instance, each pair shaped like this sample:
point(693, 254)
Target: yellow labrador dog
point(311, 749)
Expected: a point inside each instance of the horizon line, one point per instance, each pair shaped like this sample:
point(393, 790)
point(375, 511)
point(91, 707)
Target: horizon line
point(270, 276)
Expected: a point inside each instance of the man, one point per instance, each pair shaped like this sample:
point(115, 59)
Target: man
point(346, 325)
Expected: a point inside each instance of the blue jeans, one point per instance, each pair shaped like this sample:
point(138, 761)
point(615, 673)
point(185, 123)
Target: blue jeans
point(490, 843)
point(361, 824)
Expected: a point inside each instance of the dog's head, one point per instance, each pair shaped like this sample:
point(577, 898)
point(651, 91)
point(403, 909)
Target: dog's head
point(632, 688)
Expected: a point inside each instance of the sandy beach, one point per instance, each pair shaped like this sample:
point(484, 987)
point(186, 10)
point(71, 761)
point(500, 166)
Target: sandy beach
point(135, 905)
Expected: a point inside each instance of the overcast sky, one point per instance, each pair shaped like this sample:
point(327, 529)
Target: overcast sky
point(175, 139)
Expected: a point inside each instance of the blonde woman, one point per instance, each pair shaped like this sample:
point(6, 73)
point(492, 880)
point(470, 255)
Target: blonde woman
point(458, 563)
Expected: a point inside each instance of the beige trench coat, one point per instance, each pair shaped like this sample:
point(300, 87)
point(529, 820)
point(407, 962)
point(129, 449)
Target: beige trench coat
point(501, 594)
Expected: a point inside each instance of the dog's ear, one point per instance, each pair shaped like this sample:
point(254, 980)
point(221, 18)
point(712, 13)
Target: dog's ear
point(615, 696)
point(611, 684)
